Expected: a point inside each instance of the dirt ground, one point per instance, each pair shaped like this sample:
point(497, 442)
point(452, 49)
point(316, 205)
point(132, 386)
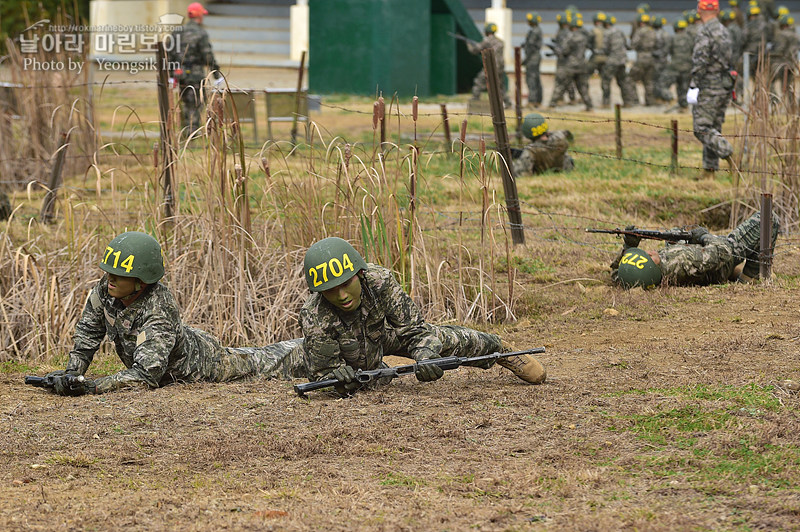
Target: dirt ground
point(476, 449)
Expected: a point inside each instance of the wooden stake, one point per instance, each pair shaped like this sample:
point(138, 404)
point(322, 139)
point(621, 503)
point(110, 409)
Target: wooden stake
point(54, 183)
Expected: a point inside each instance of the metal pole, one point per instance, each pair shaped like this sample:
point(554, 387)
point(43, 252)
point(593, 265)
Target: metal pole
point(765, 253)
point(618, 128)
point(746, 77)
point(503, 147)
point(297, 95)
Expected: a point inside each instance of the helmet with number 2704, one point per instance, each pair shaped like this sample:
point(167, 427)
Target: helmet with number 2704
point(134, 254)
point(330, 262)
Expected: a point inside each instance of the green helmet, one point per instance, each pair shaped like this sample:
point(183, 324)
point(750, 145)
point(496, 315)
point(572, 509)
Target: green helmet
point(643, 8)
point(533, 18)
point(576, 22)
point(680, 24)
point(656, 21)
point(644, 18)
point(636, 268)
point(534, 126)
point(490, 28)
point(733, 3)
point(134, 254)
point(783, 10)
point(330, 262)
point(600, 17)
point(786, 20)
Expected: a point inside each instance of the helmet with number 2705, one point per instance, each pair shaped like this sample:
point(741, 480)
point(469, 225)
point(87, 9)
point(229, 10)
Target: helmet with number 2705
point(134, 254)
point(330, 262)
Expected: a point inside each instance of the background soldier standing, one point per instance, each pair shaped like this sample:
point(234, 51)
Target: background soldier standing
point(139, 314)
point(785, 51)
point(574, 71)
point(755, 38)
point(599, 57)
point(194, 55)
point(680, 51)
point(547, 151)
point(490, 41)
point(615, 48)
point(711, 73)
point(644, 43)
point(533, 58)
point(728, 19)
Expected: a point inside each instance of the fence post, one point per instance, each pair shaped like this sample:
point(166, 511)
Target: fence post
point(446, 127)
point(673, 166)
point(618, 128)
point(765, 253)
point(503, 147)
point(55, 181)
point(297, 96)
point(518, 89)
point(166, 131)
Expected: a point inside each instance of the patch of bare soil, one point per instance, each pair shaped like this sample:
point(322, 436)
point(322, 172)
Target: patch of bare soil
point(476, 449)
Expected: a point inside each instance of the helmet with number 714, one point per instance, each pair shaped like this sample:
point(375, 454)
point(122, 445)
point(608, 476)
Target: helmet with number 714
point(636, 268)
point(330, 262)
point(134, 254)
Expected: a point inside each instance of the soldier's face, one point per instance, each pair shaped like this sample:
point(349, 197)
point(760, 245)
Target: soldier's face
point(120, 287)
point(346, 296)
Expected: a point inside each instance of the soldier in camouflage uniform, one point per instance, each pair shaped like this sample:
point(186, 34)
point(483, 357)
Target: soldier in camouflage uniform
point(547, 151)
point(599, 58)
point(728, 19)
point(139, 314)
point(533, 57)
point(755, 37)
point(738, 15)
point(705, 259)
point(680, 51)
point(194, 55)
point(661, 75)
point(711, 73)
point(644, 43)
point(615, 46)
point(561, 61)
point(358, 313)
point(490, 41)
point(784, 58)
point(573, 51)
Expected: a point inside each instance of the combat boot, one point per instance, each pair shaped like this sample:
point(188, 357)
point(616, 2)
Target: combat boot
point(526, 367)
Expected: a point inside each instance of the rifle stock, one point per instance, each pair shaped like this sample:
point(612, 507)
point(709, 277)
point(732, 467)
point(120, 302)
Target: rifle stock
point(446, 363)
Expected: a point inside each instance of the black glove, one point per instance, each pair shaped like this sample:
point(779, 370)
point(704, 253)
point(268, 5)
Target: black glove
point(72, 386)
point(631, 241)
point(57, 373)
point(346, 375)
point(697, 235)
point(428, 372)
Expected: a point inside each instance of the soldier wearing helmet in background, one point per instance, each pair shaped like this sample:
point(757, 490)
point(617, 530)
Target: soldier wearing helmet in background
point(561, 36)
point(728, 19)
point(573, 50)
point(705, 259)
point(548, 149)
point(599, 58)
point(661, 77)
point(139, 314)
point(358, 313)
point(712, 75)
point(490, 41)
point(680, 51)
point(755, 37)
point(533, 57)
point(641, 9)
point(643, 71)
point(784, 53)
point(194, 55)
point(694, 24)
point(615, 49)
point(738, 14)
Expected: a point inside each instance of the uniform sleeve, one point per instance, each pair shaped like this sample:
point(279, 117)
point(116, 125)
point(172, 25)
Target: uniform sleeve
point(150, 359)
point(321, 351)
point(404, 316)
point(208, 54)
point(89, 332)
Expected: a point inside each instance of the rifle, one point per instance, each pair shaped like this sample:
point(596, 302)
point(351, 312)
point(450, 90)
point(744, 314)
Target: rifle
point(669, 236)
point(74, 382)
point(462, 38)
point(446, 363)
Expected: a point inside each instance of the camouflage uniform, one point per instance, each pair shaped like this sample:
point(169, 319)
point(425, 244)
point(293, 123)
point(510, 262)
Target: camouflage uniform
point(661, 75)
point(533, 57)
point(713, 261)
point(644, 42)
point(544, 154)
point(194, 55)
point(158, 349)
point(680, 51)
point(597, 45)
point(479, 83)
point(561, 60)
point(754, 35)
point(711, 60)
point(5, 206)
point(388, 322)
point(615, 48)
point(784, 56)
point(737, 49)
point(574, 71)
